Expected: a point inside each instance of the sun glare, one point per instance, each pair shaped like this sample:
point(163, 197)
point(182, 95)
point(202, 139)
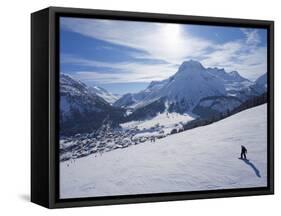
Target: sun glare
point(172, 40)
point(172, 33)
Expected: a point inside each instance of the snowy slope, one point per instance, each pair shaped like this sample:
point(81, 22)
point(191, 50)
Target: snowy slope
point(166, 121)
point(132, 99)
point(261, 84)
point(262, 80)
point(107, 96)
point(203, 158)
point(194, 88)
point(232, 80)
point(189, 84)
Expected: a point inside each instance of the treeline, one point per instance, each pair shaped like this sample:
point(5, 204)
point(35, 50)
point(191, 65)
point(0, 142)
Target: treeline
point(255, 101)
point(148, 111)
point(252, 102)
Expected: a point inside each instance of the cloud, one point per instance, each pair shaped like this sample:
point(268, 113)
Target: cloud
point(121, 72)
point(242, 55)
point(249, 62)
point(169, 44)
point(252, 36)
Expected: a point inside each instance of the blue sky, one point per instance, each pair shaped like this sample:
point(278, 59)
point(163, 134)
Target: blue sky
point(125, 56)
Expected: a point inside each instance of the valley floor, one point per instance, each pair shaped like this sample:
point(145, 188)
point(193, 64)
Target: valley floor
point(204, 158)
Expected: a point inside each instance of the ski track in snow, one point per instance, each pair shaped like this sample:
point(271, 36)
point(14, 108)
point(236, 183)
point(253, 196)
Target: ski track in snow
point(204, 158)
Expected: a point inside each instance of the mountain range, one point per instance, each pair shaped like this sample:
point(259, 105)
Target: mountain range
point(82, 109)
point(193, 89)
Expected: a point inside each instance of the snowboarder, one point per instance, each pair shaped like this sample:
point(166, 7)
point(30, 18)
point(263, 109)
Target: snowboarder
point(243, 152)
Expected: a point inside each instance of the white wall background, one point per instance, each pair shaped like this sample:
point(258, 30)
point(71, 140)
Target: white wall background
point(15, 106)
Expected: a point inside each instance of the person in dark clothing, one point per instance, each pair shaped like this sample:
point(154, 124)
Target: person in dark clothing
point(243, 152)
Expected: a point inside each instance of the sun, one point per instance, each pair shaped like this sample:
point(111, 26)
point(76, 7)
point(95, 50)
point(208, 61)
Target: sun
point(172, 40)
point(171, 33)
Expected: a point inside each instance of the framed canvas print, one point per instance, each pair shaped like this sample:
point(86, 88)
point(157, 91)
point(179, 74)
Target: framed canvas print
point(138, 107)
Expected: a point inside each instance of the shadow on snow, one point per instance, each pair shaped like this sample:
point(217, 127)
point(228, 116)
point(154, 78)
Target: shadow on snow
point(257, 172)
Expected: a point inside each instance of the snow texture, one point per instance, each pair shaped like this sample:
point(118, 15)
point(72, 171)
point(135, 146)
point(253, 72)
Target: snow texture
point(193, 83)
point(204, 158)
point(166, 121)
point(190, 83)
point(107, 96)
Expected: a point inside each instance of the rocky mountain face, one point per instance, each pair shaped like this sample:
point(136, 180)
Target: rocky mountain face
point(81, 109)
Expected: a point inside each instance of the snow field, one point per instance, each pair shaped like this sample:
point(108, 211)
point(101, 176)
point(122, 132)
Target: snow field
point(204, 158)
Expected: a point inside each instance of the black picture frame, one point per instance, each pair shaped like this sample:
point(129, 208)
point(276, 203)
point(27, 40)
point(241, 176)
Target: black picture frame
point(44, 107)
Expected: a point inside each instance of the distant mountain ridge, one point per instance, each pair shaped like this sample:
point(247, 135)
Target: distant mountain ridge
point(194, 87)
point(193, 90)
point(189, 83)
point(81, 109)
point(261, 84)
point(103, 93)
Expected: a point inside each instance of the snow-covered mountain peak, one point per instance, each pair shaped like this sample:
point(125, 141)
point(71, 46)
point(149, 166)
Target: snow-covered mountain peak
point(70, 86)
point(237, 77)
point(262, 80)
point(234, 73)
point(184, 89)
point(80, 104)
point(194, 88)
point(66, 79)
point(76, 87)
point(261, 84)
point(227, 77)
point(153, 83)
point(109, 97)
point(189, 66)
